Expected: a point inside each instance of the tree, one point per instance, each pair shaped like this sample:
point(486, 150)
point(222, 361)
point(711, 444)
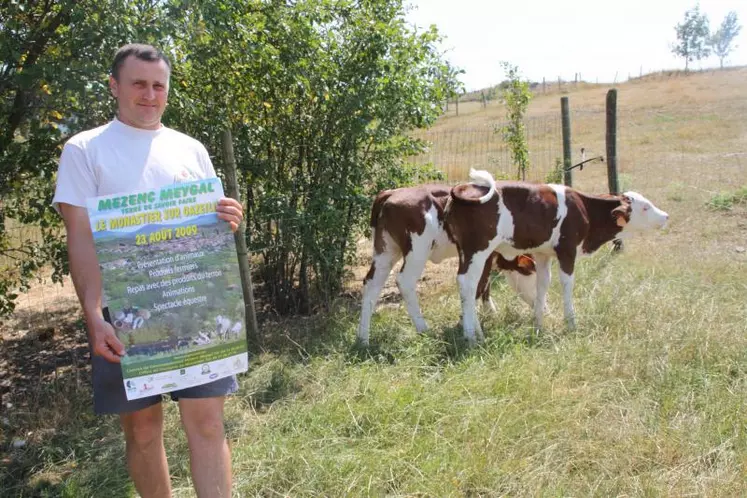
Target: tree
point(320, 96)
point(455, 87)
point(692, 37)
point(53, 82)
point(722, 39)
point(516, 97)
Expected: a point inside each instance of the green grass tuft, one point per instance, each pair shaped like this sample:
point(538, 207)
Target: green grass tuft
point(726, 201)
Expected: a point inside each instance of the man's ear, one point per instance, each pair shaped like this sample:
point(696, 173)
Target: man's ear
point(113, 86)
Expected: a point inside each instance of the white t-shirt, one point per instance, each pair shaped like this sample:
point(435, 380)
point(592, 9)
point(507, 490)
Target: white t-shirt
point(117, 158)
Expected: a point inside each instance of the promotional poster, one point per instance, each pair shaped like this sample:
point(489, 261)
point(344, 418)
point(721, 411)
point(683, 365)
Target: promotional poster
point(172, 286)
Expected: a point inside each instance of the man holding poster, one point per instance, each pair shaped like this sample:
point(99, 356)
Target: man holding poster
point(148, 196)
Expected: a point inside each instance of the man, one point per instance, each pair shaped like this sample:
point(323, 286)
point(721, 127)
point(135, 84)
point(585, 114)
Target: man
point(135, 152)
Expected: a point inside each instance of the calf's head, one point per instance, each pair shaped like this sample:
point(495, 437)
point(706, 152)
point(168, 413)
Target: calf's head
point(638, 214)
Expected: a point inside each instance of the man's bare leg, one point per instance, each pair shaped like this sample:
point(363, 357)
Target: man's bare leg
point(146, 456)
point(210, 458)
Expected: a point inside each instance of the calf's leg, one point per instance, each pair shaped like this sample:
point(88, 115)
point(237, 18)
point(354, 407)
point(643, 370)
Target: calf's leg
point(483, 287)
point(566, 281)
point(470, 269)
point(542, 264)
point(407, 281)
point(381, 266)
point(566, 262)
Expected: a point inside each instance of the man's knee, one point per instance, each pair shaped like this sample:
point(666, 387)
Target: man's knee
point(208, 428)
point(143, 427)
point(203, 418)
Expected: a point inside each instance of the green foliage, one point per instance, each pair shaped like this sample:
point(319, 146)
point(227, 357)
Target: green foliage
point(409, 174)
point(516, 97)
point(319, 95)
point(555, 175)
point(692, 36)
point(455, 88)
point(721, 41)
point(725, 201)
point(53, 82)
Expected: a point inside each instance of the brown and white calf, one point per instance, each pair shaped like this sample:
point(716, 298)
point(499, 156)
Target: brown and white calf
point(409, 223)
point(545, 221)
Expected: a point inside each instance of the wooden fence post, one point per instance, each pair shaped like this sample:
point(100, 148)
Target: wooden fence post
point(565, 115)
point(253, 337)
point(613, 182)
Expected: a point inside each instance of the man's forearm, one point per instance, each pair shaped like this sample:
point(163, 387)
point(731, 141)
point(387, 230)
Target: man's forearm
point(86, 275)
point(84, 268)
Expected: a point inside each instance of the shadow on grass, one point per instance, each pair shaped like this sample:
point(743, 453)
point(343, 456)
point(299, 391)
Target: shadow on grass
point(54, 446)
point(298, 339)
point(51, 443)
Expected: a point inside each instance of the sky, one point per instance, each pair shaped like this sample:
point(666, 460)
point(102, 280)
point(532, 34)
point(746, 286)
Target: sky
point(603, 40)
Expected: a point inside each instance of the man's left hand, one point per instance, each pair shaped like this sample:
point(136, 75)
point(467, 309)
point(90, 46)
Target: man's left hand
point(230, 210)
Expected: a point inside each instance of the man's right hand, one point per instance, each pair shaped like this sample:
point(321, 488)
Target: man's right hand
point(104, 341)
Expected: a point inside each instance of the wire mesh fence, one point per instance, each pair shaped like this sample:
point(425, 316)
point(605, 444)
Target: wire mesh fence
point(664, 151)
point(455, 151)
point(44, 295)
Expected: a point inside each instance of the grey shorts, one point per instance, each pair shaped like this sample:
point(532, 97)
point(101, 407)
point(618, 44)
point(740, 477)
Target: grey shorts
point(109, 392)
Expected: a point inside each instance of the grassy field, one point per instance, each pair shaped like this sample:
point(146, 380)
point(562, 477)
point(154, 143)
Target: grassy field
point(646, 398)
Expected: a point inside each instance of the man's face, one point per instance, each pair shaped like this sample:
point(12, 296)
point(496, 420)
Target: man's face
point(141, 92)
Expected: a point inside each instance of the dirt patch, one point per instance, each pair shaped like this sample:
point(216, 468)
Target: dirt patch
point(435, 275)
point(44, 337)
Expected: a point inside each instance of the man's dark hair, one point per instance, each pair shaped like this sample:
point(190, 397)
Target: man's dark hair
point(143, 52)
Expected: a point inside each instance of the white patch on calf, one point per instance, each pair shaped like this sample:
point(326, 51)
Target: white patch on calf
point(505, 232)
point(561, 215)
point(524, 285)
point(414, 264)
point(382, 264)
point(443, 248)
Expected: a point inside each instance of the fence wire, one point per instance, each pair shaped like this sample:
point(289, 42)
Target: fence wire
point(44, 295)
point(455, 151)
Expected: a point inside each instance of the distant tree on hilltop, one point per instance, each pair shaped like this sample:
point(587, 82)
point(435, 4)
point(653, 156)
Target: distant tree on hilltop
point(721, 41)
point(692, 37)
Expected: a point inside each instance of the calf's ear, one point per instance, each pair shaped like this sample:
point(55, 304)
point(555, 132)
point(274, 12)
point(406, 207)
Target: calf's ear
point(621, 215)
